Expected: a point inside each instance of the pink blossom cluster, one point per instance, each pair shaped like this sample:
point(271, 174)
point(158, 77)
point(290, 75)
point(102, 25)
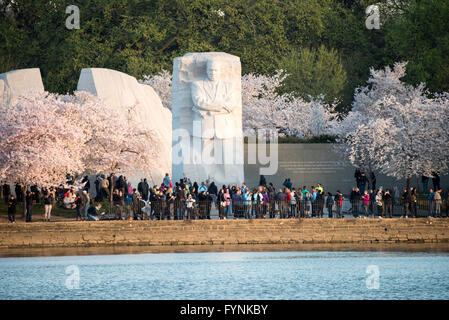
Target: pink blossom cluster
point(45, 136)
point(396, 128)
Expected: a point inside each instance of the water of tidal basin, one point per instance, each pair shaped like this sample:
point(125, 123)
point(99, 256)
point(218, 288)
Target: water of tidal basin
point(229, 275)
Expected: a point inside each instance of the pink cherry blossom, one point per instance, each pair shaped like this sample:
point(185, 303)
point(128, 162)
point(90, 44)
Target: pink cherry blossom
point(44, 136)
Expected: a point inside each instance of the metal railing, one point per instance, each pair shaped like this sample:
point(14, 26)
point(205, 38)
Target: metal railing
point(280, 209)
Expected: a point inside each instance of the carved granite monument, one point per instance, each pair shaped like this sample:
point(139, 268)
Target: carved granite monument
point(17, 82)
point(121, 91)
point(207, 118)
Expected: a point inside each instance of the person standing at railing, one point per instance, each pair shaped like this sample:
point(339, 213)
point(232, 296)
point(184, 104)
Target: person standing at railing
point(48, 203)
point(29, 200)
point(135, 201)
point(288, 199)
point(78, 205)
point(430, 201)
point(413, 202)
point(329, 204)
point(365, 202)
point(254, 203)
point(280, 202)
point(388, 204)
point(85, 199)
point(221, 202)
point(265, 201)
point(170, 200)
point(300, 203)
point(355, 201)
point(406, 199)
point(237, 202)
point(190, 205)
point(338, 199)
point(319, 201)
point(157, 204)
point(181, 197)
point(447, 203)
point(271, 204)
point(163, 203)
point(227, 204)
point(12, 203)
point(304, 192)
point(202, 199)
point(209, 201)
point(372, 201)
point(313, 208)
point(379, 203)
point(308, 204)
point(438, 202)
point(247, 204)
point(293, 203)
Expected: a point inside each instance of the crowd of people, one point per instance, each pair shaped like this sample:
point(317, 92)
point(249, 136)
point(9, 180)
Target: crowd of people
point(187, 200)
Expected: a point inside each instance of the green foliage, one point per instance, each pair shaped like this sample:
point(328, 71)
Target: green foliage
point(420, 35)
point(143, 36)
point(313, 72)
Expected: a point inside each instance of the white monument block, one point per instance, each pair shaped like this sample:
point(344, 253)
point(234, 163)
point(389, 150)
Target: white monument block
point(207, 118)
point(18, 82)
point(122, 91)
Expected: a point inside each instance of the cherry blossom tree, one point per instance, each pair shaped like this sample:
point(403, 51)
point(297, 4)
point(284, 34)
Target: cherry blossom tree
point(161, 83)
point(395, 128)
point(45, 136)
point(264, 108)
point(261, 102)
point(38, 142)
point(116, 141)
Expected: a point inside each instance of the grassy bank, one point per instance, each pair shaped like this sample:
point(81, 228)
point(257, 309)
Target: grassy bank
point(58, 211)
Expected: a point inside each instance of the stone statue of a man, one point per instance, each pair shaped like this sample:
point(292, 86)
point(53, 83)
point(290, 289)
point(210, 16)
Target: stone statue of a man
point(213, 103)
point(211, 114)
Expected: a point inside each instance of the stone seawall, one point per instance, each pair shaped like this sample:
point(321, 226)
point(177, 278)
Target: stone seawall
point(223, 232)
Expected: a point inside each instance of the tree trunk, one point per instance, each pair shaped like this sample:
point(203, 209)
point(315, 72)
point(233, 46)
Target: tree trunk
point(111, 189)
point(370, 180)
point(409, 183)
point(24, 191)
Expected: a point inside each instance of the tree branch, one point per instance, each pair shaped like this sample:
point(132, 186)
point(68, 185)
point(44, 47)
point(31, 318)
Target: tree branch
point(167, 44)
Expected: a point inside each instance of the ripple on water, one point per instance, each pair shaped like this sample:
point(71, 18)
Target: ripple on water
point(229, 275)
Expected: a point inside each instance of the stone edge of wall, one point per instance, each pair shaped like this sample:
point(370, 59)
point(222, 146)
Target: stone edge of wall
point(223, 232)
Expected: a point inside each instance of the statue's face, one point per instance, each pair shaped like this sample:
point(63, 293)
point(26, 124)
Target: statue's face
point(213, 70)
